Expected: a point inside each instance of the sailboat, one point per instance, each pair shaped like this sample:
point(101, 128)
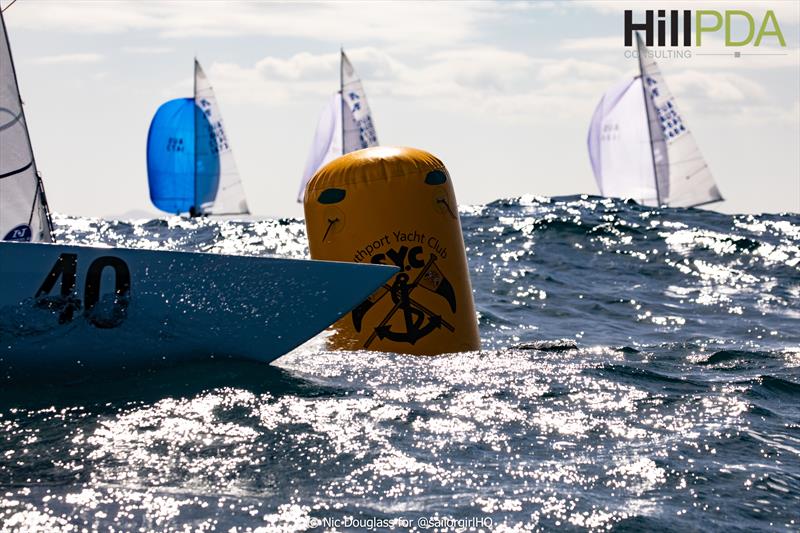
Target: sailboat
point(190, 164)
point(66, 311)
point(640, 145)
point(345, 125)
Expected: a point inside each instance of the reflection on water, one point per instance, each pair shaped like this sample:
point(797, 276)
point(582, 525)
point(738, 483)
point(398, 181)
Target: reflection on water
point(673, 400)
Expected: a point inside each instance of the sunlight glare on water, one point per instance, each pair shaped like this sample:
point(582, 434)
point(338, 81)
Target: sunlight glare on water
point(640, 370)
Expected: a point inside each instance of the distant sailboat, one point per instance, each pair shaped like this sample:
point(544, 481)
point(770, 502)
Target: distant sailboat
point(24, 216)
point(641, 148)
point(190, 164)
point(344, 126)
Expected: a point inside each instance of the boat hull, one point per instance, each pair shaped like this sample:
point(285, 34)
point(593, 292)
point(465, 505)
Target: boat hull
point(71, 309)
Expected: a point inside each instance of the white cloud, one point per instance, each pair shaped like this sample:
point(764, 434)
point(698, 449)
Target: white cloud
point(69, 59)
point(425, 52)
point(249, 85)
point(300, 66)
point(593, 44)
point(577, 70)
point(508, 84)
point(768, 115)
point(717, 87)
point(147, 50)
point(482, 68)
point(412, 24)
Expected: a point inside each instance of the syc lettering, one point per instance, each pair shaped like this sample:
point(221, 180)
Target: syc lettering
point(410, 254)
point(704, 21)
point(414, 256)
point(407, 258)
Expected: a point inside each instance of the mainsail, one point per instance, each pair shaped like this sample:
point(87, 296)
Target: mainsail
point(641, 147)
point(358, 131)
point(190, 164)
point(344, 126)
point(214, 140)
point(23, 206)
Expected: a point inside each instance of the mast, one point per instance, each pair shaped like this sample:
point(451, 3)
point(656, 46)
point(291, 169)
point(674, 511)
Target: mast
point(341, 92)
point(40, 194)
point(647, 113)
point(194, 133)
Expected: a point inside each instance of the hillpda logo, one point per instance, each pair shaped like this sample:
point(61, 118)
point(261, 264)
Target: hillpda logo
point(661, 27)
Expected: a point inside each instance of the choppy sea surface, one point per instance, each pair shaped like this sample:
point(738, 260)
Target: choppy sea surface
point(640, 371)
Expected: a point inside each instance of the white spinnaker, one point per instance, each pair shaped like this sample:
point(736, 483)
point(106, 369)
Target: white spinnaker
point(619, 145)
point(327, 144)
point(344, 126)
point(230, 198)
point(684, 177)
point(359, 130)
point(20, 196)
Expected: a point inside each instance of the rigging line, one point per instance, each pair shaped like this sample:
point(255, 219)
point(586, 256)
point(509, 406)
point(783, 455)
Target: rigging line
point(45, 205)
point(17, 118)
point(39, 197)
point(9, 5)
point(688, 176)
point(26, 167)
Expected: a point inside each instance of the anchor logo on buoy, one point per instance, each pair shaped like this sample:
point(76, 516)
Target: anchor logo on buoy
point(415, 326)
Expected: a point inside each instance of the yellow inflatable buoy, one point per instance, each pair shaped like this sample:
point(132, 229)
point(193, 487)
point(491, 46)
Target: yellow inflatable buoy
point(396, 206)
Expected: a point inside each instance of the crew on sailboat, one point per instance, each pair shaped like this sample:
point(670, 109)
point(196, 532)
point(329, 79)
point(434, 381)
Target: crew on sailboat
point(641, 148)
point(190, 164)
point(344, 126)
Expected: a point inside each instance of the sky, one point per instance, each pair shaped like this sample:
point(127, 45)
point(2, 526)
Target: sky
point(501, 92)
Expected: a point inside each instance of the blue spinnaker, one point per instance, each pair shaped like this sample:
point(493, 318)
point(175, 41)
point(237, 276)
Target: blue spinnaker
point(179, 176)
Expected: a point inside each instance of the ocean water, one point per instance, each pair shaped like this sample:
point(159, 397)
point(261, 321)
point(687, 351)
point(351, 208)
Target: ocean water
point(640, 370)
